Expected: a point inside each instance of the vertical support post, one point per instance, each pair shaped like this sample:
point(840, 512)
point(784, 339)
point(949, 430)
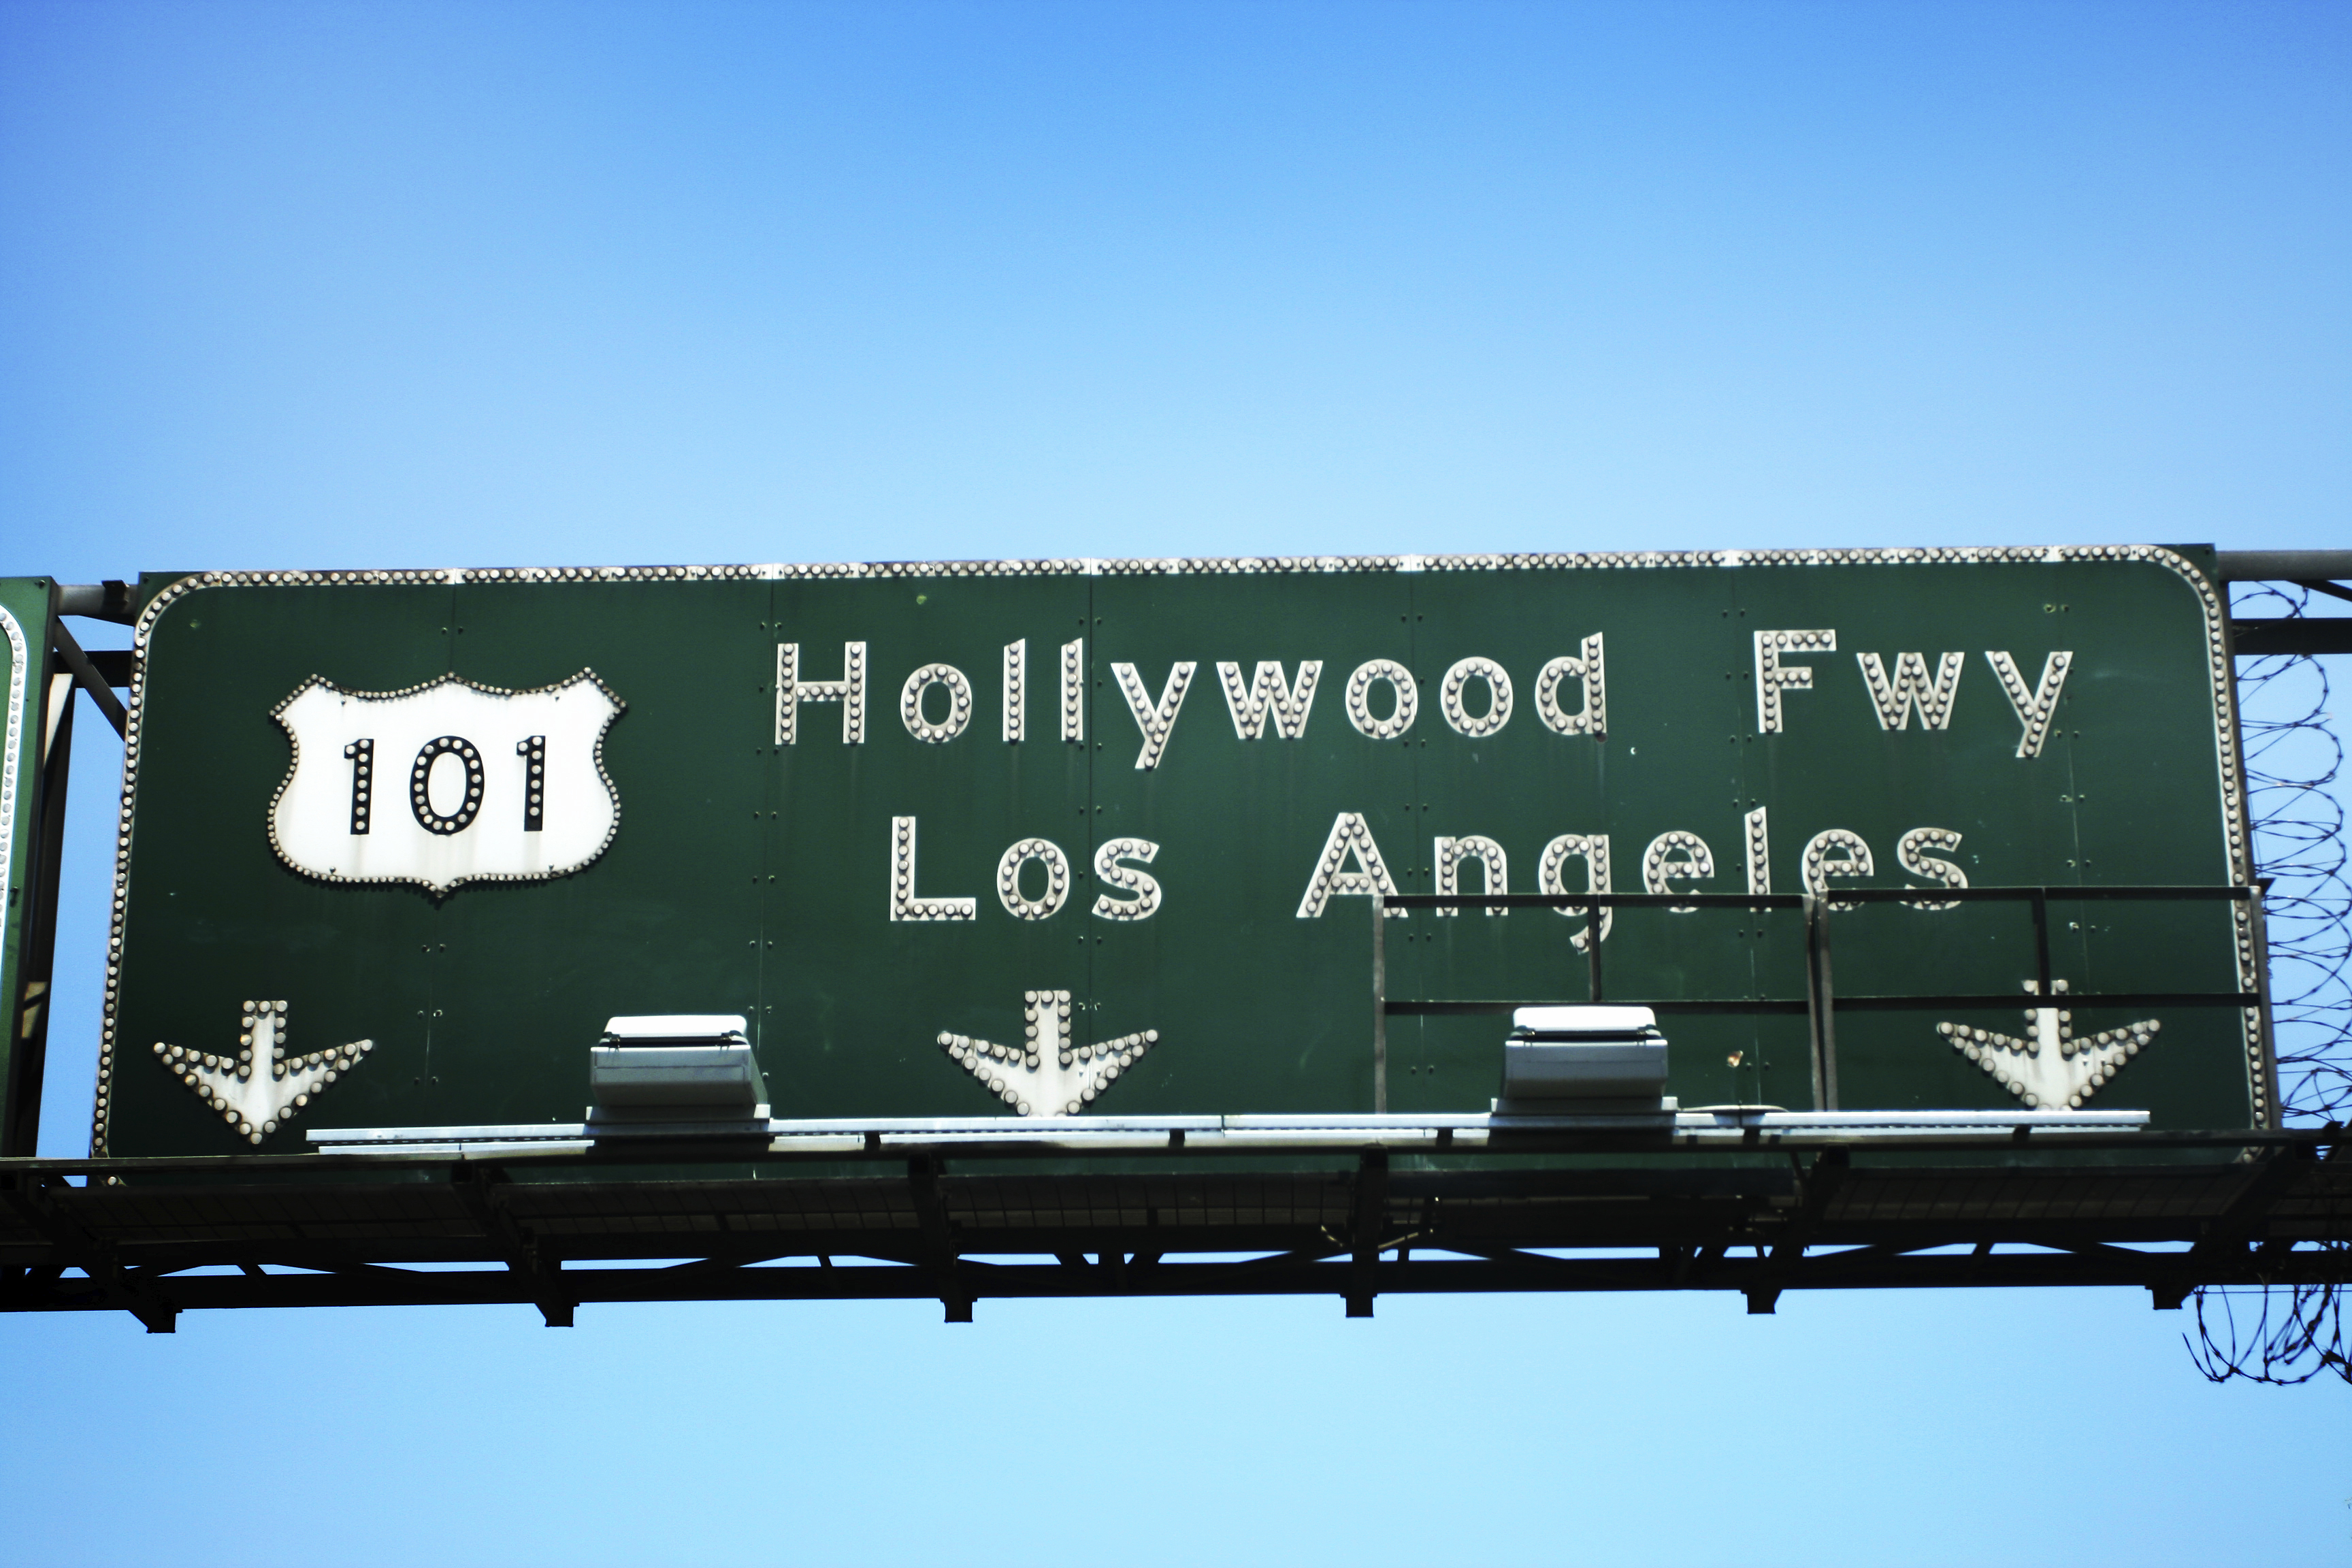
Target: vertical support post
point(2259, 928)
point(939, 1252)
point(1820, 1003)
point(1593, 952)
point(2041, 944)
point(1371, 1206)
point(1379, 1005)
point(1814, 1012)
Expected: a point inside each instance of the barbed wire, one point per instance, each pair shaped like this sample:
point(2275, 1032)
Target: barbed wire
point(2292, 762)
point(2290, 1333)
point(2282, 1334)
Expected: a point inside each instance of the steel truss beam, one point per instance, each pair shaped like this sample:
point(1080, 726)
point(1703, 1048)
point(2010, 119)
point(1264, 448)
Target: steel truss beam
point(1293, 1274)
point(957, 1230)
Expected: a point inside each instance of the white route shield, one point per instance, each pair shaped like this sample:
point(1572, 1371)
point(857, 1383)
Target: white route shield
point(446, 784)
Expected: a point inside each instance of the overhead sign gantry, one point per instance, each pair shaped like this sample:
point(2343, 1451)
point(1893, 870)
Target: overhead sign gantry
point(1160, 861)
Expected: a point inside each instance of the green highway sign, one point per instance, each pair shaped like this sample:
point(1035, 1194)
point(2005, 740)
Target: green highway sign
point(1051, 838)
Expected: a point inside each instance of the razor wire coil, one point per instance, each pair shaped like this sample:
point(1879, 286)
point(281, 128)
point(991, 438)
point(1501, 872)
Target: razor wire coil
point(2289, 1333)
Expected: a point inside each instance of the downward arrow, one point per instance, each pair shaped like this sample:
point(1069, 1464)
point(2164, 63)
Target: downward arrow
point(2052, 1070)
point(253, 1100)
point(1045, 1074)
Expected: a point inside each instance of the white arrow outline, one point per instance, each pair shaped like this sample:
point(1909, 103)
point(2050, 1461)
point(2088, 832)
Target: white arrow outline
point(1032, 1081)
point(2053, 1069)
point(255, 1103)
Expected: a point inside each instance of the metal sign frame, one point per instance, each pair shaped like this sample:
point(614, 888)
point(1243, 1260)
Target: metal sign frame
point(1820, 1002)
point(45, 667)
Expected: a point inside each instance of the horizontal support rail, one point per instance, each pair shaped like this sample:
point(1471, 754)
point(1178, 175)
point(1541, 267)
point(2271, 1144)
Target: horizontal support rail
point(1446, 1009)
point(1713, 1268)
point(270, 1167)
point(1930, 895)
point(2071, 1000)
point(2281, 565)
point(2299, 634)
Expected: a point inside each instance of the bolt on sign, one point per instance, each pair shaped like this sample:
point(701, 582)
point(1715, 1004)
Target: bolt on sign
point(1065, 838)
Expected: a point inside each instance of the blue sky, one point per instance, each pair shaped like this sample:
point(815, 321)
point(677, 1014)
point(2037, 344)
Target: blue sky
point(510, 284)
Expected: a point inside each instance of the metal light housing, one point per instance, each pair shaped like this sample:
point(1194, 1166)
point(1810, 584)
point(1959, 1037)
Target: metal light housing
point(678, 1067)
point(1579, 1060)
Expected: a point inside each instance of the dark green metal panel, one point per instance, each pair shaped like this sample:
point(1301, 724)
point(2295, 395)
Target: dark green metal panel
point(750, 876)
point(214, 918)
point(1240, 826)
point(667, 920)
point(852, 1002)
